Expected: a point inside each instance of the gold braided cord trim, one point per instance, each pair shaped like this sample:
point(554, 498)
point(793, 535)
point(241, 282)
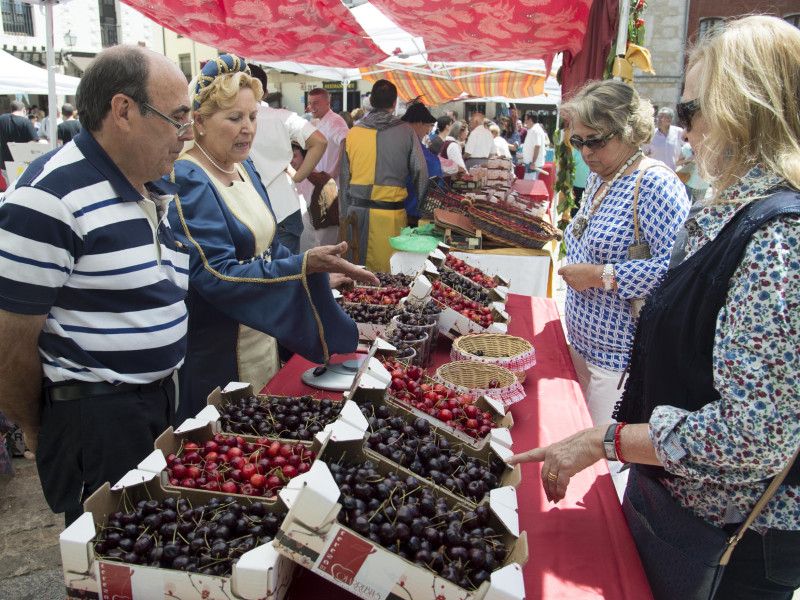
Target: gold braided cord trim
point(213, 271)
point(320, 328)
point(301, 276)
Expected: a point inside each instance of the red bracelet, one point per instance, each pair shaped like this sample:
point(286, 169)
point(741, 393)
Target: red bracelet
point(617, 441)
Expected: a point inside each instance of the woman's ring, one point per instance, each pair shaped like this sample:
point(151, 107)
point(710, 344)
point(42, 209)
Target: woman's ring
point(552, 476)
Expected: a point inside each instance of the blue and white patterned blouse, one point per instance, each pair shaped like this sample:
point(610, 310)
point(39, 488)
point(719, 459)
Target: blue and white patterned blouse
point(724, 450)
point(600, 325)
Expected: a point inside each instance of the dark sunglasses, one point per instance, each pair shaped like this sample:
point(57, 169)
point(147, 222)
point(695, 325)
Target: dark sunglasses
point(686, 112)
point(591, 143)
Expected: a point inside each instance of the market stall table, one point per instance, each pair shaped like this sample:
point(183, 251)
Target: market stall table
point(530, 271)
point(580, 548)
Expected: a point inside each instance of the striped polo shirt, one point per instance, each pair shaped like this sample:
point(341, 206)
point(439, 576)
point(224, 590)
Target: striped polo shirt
point(80, 244)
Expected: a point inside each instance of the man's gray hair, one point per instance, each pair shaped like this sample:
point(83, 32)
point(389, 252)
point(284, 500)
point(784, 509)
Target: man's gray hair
point(118, 70)
point(666, 110)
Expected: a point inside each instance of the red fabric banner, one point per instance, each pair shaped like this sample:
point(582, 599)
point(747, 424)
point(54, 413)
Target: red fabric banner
point(492, 29)
point(309, 31)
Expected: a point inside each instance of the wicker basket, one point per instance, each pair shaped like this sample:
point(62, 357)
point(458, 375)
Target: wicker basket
point(470, 378)
point(435, 198)
point(530, 232)
point(514, 353)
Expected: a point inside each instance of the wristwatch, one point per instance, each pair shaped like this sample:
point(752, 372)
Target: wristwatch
point(609, 444)
point(609, 277)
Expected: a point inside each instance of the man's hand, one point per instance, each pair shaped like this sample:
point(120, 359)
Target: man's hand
point(31, 441)
point(338, 280)
point(582, 276)
point(21, 372)
point(327, 259)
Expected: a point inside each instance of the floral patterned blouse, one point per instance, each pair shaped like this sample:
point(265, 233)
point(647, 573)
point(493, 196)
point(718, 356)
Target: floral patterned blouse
point(723, 452)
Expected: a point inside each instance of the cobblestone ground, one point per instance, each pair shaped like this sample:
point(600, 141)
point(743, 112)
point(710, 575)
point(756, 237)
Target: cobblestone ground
point(30, 559)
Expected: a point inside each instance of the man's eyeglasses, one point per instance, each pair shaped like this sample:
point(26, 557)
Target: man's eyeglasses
point(181, 127)
point(591, 143)
point(686, 112)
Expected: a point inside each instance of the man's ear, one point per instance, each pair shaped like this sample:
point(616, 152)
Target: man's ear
point(121, 111)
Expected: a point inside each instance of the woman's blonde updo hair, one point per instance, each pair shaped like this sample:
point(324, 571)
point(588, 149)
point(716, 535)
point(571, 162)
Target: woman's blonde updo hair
point(749, 83)
point(223, 92)
point(612, 107)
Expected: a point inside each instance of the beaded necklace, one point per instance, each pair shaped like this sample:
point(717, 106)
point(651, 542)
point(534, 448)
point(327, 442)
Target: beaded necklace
point(582, 220)
point(231, 172)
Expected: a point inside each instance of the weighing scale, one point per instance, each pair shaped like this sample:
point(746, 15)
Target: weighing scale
point(335, 377)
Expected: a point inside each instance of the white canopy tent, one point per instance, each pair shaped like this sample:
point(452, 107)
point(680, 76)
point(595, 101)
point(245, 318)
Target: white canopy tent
point(19, 77)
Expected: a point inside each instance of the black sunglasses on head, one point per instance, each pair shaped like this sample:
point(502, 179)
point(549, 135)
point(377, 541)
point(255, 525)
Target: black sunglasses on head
point(591, 143)
point(686, 111)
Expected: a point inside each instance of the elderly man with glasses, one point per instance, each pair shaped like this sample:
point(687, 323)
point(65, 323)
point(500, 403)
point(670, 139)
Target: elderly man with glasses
point(92, 314)
point(666, 143)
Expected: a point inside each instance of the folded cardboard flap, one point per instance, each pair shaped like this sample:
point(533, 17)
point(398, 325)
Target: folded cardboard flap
point(193, 424)
point(501, 435)
point(500, 449)
point(340, 430)
point(503, 502)
point(76, 553)
point(251, 579)
point(353, 416)
point(235, 386)
point(313, 494)
point(209, 414)
point(507, 583)
point(420, 288)
point(134, 477)
point(154, 463)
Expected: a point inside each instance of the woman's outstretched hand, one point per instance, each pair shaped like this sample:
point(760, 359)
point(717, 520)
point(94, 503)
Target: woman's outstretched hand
point(562, 460)
point(328, 259)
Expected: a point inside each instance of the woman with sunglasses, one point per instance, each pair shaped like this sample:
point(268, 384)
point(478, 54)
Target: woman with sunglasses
point(609, 122)
point(712, 395)
point(246, 290)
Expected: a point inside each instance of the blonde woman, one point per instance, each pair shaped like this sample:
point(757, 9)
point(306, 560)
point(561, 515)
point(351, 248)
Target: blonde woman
point(712, 398)
point(245, 289)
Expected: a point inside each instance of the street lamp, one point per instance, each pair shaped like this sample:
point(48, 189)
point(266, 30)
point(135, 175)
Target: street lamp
point(70, 39)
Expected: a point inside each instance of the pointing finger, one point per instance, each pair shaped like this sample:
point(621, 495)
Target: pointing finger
point(534, 455)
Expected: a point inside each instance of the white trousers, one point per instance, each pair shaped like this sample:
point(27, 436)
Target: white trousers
point(599, 387)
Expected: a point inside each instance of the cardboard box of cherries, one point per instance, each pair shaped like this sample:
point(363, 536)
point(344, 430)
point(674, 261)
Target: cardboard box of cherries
point(379, 531)
point(137, 540)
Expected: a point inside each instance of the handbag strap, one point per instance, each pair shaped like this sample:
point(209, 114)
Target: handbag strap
point(636, 238)
point(762, 502)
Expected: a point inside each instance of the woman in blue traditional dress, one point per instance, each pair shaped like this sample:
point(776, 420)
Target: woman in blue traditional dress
point(246, 290)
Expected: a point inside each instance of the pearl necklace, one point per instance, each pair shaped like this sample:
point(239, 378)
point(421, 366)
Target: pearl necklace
point(231, 172)
point(582, 221)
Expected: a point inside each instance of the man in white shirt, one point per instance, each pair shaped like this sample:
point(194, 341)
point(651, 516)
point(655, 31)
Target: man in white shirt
point(480, 143)
point(272, 154)
point(332, 126)
point(666, 143)
point(533, 150)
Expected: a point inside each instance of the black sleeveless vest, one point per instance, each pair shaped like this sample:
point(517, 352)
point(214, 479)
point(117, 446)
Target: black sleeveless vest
point(671, 359)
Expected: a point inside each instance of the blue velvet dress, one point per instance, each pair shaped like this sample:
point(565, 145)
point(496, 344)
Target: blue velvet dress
point(241, 286)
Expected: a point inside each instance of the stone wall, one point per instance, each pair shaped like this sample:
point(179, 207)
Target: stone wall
point(665, 23)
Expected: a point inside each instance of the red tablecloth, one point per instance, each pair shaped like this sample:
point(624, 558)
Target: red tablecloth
point(549, 180)
point(579, 548)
